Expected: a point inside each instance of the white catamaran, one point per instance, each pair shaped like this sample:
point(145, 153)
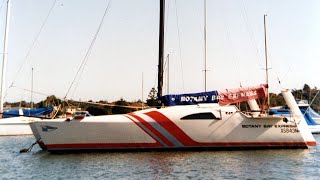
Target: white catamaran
point(203, 126)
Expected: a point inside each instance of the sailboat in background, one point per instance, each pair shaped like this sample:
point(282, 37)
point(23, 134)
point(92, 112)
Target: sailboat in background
point(309, 115)
point(4, 56)
point(15, 121)
point(201, 126)
point(312, 118)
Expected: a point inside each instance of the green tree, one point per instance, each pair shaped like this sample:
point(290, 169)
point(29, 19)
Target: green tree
point(121, 102)
point(120, 107)
point(309, 94)
point(276, 100)
point(98, 110)
point(49, 101)
point(152, 97)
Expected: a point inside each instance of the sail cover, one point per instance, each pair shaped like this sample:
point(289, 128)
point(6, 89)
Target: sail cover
point(38, 112)
point(224, 97)
point(191, 98)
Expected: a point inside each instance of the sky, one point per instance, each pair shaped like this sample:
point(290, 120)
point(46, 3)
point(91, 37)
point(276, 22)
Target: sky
point(123, 60)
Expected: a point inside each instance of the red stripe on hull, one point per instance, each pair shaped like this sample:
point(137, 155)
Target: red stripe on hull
point(152, 129)
point(187, 141)
point(311, 143)
point(104, 145)
point(172, 128)
point(159, 146)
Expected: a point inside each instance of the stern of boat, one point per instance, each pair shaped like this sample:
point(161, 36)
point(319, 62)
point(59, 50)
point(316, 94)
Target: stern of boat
point(298, 118)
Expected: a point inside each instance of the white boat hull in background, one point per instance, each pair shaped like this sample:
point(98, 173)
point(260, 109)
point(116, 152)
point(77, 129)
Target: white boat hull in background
point(15, 126)
point(315, 129)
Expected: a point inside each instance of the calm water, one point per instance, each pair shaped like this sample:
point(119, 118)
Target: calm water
point(255, 164)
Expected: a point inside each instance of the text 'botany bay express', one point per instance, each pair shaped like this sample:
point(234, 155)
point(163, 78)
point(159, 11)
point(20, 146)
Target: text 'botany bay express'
point(223, 97)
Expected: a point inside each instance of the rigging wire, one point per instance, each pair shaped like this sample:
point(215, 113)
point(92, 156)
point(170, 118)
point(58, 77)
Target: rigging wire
point(85, 60)
point(28, 90)
point(244, 15)
point(281, 79)
point(314, 98)
point(78, 81)
point(233, 49)
point(251, 34)
point(93, 103)
point(167, 20)
point(165, 41)
point(31, 47)
point(179, 41)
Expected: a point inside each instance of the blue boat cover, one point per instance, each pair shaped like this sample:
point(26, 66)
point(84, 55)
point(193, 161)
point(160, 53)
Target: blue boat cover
point(38, 112)
point(223, 97)
point(312, 113)
point(303, 110)
point(190, 99)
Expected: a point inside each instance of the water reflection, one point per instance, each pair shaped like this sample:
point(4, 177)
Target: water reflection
point(254, 164)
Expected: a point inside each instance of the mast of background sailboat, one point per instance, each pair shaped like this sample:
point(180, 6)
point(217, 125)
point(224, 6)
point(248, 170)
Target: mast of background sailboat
point(4, 56)
point(161, 47)
point(266, 55)
point(31, 103)
point(205, 45)
point(168, 72)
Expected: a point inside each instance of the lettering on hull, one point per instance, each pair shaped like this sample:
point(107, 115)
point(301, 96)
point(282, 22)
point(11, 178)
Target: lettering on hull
point(285, 128)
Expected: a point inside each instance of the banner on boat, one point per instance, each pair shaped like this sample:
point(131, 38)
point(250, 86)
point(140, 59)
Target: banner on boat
point(242, 94)
point(189, 99)
point(227, 96)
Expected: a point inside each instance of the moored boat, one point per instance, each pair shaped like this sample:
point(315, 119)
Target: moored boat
point(303, 105)
point(15, 122)
point(183, 127)
point(15, 126)
point(310, 116)
point(204, 126)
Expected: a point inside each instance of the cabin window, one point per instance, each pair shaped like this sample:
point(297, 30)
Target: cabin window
point(206, 115)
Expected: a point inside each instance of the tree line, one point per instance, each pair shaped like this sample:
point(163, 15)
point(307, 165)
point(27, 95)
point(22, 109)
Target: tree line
point(122, 106)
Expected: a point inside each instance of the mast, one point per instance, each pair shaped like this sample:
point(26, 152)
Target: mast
point(161, 49)
point(205, 45)
point(4, 57)
point(168, 72)
point(31, 103)
point(142, 92)
point(266, 55)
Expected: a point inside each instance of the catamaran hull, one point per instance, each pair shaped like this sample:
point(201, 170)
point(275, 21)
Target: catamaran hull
point(165, 129)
